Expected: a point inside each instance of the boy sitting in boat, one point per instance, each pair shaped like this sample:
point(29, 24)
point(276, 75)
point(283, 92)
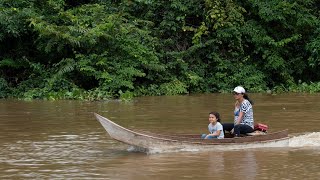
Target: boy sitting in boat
point(215, 127)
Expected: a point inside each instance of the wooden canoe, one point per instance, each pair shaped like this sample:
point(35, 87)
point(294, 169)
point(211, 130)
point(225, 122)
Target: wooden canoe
point(151, 142)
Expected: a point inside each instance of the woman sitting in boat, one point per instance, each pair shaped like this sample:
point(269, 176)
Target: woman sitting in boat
point(243, 114)
point(215, 127)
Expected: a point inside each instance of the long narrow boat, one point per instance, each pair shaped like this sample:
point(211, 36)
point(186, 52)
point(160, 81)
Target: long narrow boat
point(151, 142)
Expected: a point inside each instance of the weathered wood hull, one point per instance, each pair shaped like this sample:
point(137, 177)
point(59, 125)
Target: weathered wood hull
point(185, 142)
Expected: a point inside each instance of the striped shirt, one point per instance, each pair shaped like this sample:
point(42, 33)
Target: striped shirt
point(246, 108)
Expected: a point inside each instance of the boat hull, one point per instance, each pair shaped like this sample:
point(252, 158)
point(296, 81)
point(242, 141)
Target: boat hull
point(150, 142)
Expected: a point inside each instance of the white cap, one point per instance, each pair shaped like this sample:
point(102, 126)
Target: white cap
point(239, 89)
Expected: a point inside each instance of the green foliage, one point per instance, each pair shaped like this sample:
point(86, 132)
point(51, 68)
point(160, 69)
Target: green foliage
point(313, 47)
point(105, 47)
point(12, 18)
point(277, 37)
point(97, 94)
point(11, 63)
point(229, 74)
point(173, 88)
point(4, 88)
point(221, 26)
point(300, 87)
point(96, 50)
point(126, 96)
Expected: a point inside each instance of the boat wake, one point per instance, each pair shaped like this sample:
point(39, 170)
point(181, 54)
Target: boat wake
point(137, 149)
point(305, 140)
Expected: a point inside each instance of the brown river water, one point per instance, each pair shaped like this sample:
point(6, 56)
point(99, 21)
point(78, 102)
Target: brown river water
point(63, 140)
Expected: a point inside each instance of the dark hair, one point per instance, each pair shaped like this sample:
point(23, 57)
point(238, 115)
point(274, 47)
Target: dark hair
point(247, 98)
point(217, 115)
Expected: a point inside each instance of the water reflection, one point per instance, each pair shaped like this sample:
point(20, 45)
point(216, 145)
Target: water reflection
point(216, 164)
point(224, 164)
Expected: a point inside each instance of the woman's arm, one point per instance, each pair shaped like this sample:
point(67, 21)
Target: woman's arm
point(240, 117)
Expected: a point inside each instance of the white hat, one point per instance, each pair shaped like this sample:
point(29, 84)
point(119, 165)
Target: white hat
point(239, 89)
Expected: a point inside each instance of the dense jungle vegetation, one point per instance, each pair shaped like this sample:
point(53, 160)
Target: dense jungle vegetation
point(100, 49)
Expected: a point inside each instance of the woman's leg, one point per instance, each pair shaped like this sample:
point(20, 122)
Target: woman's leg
point(227, 126)
point(242, 129)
